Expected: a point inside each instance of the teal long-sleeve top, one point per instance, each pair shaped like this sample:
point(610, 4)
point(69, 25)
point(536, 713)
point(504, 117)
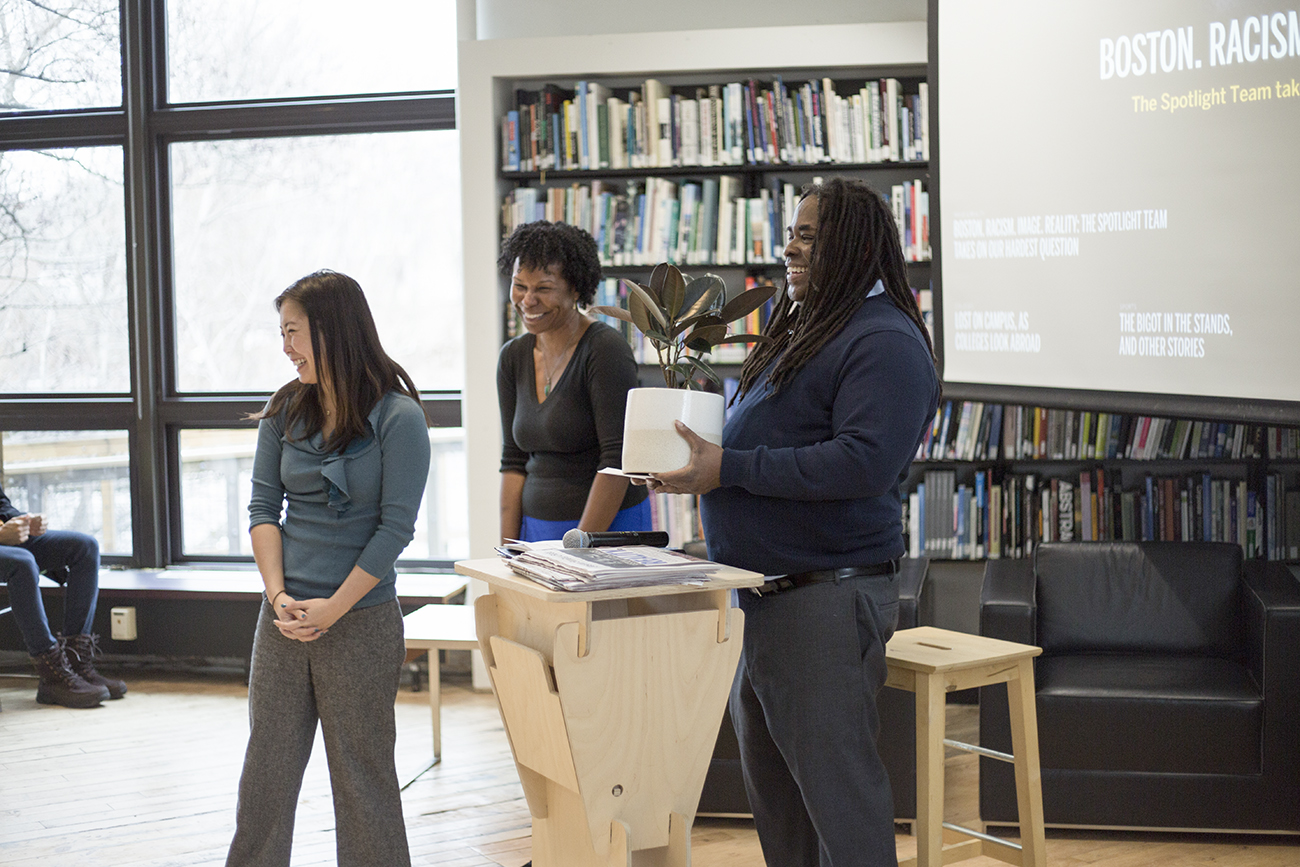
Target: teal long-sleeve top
point(357, 508)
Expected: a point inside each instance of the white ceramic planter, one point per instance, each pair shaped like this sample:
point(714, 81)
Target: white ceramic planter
point(650, 442)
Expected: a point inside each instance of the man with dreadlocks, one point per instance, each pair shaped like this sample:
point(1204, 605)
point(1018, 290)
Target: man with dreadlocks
point(805, 489)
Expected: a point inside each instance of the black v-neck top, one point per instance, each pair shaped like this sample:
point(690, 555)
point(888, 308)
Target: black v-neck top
point(561, 442)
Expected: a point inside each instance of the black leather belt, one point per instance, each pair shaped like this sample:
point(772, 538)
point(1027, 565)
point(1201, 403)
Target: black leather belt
point(780, 583)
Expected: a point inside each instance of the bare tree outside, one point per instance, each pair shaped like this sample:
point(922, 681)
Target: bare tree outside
point(308, 48)
point(63, 272)
point(59, 54)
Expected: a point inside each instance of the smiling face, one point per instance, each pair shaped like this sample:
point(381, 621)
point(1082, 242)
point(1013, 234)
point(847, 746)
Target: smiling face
point(295, 330)
point(800, 235)
point(543, 298)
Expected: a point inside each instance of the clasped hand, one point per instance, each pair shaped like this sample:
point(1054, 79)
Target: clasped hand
point(304, 619)
point(20, 528)
point(701, 474)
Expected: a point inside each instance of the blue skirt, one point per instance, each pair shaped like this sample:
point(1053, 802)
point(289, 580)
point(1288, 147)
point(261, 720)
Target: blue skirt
point(632, 518)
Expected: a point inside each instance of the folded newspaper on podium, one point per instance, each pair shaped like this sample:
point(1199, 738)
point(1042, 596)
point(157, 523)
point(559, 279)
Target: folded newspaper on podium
point(610, 568)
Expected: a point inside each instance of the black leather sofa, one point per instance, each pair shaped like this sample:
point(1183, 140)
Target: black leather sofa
point(724, 787)
point(1168, 691)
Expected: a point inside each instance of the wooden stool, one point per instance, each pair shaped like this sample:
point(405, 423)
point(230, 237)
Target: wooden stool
point(932, 662)
point(433, 628)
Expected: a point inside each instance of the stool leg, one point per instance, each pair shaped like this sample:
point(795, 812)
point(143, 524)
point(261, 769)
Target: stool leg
point(435, 702)
point(1029, 784)
point(930, 725)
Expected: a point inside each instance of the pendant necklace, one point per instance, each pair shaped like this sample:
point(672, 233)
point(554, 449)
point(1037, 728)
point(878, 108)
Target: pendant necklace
point(548, 369)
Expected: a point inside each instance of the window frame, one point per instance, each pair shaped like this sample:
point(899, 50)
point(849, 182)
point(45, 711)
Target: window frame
point(154, 412)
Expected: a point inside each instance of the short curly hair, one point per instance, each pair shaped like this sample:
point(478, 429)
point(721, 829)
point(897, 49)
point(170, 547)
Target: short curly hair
point(542, 245)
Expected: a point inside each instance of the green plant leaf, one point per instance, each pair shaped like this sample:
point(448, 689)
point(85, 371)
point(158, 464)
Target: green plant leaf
point(681, 374)
point(616, 312)
point(674, 291)
point(649, 304)
point(706, 334)
point(701, 293)
point(703, 367)
point(747, 302)
point(657, 279)
point(638, 312)
point(709, 318)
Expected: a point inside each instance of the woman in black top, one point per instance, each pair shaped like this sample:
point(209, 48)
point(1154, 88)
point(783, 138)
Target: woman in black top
point(562, 386)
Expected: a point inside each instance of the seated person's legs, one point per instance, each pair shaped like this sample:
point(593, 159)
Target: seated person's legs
point(59, 683)
point(72, 559)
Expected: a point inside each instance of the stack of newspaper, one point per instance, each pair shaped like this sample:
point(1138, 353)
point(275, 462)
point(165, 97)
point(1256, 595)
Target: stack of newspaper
point(609, 568)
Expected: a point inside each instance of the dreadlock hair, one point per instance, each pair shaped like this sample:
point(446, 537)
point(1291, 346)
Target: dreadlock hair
point(542, 245)
point(349, 360)
point(855, 245)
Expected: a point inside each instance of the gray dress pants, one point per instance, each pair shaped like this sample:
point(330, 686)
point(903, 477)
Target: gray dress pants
point(347, 681)
point(804, 705)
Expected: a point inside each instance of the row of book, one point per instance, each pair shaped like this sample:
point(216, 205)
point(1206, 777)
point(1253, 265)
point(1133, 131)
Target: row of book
point(976, 431)
point(705, 222)
point(610, 292)
point(678, 515)
point(592, 126)
point(994, 517)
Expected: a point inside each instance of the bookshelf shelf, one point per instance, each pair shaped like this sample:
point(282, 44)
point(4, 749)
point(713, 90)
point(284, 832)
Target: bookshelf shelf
point(1155, 479)
point(748, 169)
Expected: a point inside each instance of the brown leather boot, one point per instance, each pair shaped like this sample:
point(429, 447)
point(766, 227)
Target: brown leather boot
point(81, 651)
point(61, 685)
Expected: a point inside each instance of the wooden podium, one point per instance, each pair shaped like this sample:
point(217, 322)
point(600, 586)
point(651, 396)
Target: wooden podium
point(612, 701)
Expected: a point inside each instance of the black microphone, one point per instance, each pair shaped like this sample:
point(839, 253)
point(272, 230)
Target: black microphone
point(576, 538)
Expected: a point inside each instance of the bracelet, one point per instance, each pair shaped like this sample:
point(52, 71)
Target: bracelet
point(271, 601)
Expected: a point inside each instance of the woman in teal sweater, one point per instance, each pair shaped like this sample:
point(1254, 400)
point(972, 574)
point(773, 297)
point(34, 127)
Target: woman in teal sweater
point(343, 450)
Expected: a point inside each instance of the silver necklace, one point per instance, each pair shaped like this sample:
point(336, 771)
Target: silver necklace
point(548, 369)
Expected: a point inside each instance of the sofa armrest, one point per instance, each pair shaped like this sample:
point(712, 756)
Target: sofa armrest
point(1272, 603)
point(1008, 607)
point(911, 580)
point(1271, 599)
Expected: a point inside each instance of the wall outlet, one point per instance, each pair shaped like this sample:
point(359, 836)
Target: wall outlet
point(124, 624)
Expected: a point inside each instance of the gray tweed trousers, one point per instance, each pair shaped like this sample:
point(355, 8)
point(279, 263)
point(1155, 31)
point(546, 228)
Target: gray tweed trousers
point(347, 681)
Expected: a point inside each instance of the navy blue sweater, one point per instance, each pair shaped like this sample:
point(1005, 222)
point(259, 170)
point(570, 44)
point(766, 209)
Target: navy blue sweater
point(811, 474)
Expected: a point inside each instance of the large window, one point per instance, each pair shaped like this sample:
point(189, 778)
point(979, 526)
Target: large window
point(250, 216)
point(63, 323)
point(78, 480)
point(252, 49)
point(167, 167)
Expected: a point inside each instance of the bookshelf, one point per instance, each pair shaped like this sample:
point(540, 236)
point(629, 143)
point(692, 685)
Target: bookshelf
point(994, 480)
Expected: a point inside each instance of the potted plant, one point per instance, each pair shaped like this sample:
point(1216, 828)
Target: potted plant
point(679, 318)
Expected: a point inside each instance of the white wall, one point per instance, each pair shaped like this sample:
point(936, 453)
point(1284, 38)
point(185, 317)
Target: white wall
point(513, 19)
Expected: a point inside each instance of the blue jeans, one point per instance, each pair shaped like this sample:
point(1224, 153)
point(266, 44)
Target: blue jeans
point(71, 559)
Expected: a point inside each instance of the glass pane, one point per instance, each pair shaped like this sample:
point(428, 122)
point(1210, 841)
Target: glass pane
point(80, 480)
point(63, 321)
point(308, 48)
point(59, 55)
point(252, 216)
point(216, 482)
point(442, 527)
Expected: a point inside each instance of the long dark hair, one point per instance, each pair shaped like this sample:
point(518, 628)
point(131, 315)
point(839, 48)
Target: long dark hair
point(856, 245)
point(348, 355)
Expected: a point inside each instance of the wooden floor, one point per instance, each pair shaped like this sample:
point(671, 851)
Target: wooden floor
point(150, 781)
